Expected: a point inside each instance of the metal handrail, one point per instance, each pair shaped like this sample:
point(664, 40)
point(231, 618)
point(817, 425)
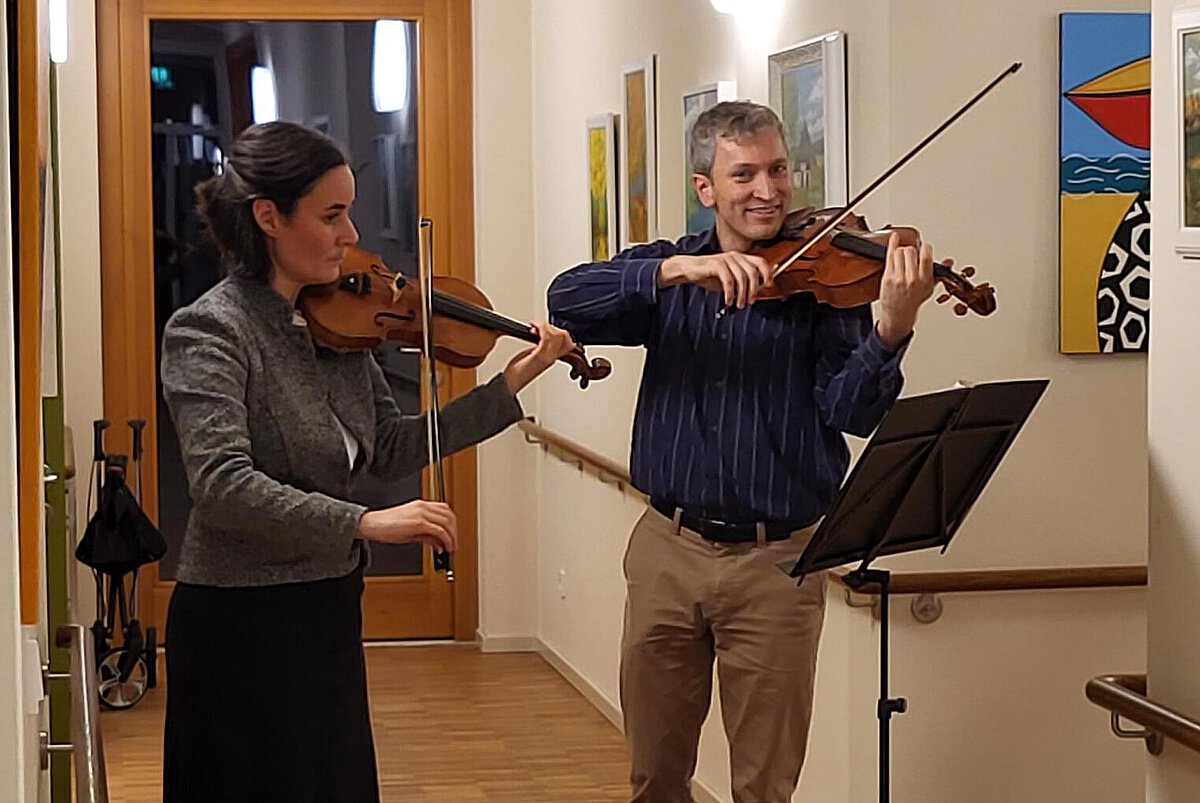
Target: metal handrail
point(1125, 696)
point(91, 784)
point(901, 582)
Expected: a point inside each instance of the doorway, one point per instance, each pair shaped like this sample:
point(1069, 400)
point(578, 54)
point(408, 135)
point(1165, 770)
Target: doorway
point(203, 73)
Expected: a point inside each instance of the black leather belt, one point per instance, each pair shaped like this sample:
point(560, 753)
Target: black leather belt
point(724, 531)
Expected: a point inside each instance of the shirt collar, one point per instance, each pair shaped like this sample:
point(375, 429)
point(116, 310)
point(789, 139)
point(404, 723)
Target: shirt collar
point(704, 242)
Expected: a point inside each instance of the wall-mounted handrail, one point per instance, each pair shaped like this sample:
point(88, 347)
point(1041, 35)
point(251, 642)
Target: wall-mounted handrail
point(901, 582)
point(607, 468)
point(1125, 696)
point(1011, 579)
point(91, 784)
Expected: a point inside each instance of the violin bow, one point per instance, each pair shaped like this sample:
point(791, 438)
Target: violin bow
point(874, 185)
point(433, 427)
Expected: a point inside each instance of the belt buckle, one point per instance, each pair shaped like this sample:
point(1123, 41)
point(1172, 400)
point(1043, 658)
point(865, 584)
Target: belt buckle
point(729, 532)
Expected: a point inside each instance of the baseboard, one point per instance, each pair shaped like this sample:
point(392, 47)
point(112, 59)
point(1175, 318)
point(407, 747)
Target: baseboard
point(506, 643)
point(700, 792)
point(582, 685)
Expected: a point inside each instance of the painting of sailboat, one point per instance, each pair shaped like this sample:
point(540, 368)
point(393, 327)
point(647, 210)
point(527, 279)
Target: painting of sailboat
point(1104, 183)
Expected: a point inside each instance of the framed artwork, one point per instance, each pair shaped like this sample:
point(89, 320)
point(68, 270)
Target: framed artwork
point(1104, 182)
point(807, 89)
point(697, 217)
point(389, 195)
point(1185, 31)
point(602, 185)
point(639, 161)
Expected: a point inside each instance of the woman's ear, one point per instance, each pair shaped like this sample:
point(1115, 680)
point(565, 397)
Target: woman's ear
point(266, 214)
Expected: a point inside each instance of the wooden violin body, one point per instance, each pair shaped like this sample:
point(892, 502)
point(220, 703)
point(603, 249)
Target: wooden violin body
point(844, 267)
point(370, 304)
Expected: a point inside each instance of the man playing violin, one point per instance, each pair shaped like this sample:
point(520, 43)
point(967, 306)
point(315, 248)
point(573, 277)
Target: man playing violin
point(739, 441)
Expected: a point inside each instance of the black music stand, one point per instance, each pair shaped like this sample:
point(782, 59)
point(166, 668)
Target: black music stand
point(910, 489)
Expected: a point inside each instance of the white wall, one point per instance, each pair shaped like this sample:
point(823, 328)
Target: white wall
point(503, 269)
point(82, 355)
point(1071, 492)
point(1173, 627)
point(985, 193)
point(19, 782)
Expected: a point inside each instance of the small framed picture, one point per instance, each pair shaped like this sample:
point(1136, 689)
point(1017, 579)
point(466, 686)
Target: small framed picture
point(697, 217)
point(602, 185)
point(1185, 30)
point(807, 89)
point(639, 161)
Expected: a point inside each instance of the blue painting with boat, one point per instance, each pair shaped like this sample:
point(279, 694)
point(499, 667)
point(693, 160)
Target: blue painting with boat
point(1104, 182)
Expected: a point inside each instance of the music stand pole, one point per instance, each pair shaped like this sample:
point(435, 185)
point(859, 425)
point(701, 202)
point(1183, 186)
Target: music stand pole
point(886, 706)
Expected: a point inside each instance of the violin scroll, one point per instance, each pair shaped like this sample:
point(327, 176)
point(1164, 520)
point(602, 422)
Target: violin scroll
point(980, 299)
point(583, 370)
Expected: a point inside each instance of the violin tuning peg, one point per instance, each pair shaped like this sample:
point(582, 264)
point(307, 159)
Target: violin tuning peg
point(968, 272)
point(960, 310)
point(943, 298)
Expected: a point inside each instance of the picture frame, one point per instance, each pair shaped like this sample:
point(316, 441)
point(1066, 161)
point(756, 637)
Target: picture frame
point(1103, 182)
point(1185, 48)
point(697, 217)
point(638, 156)
point(602, 156)
point(807, 89)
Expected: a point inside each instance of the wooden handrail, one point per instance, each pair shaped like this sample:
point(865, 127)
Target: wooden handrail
point(1010, 579)
point(604, 466)
point(901, 582)
point(1125, 696)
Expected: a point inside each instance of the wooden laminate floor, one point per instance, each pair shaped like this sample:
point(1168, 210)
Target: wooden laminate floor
point(452, 725)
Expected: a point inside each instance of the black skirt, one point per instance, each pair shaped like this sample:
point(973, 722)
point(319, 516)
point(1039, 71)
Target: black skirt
point(267, 695)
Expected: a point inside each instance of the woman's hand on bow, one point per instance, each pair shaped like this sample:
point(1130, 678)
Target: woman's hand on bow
point(527, 365)
point(418, 521)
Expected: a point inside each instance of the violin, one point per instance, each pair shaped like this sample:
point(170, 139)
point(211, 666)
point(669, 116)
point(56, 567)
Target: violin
point(370, 304)
point(843, 267)
point(833, 254)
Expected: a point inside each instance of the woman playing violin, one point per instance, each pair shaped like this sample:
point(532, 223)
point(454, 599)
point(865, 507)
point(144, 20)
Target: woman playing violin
point(739, 443)
point(267, 698)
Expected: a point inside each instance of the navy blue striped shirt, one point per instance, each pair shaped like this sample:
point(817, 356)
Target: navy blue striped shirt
point(739, 418)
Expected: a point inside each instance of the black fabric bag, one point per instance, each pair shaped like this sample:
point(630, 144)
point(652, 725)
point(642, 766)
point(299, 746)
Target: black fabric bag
point(120, 536)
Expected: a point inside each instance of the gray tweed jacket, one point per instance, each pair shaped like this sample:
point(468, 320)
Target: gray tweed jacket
point(253, 401)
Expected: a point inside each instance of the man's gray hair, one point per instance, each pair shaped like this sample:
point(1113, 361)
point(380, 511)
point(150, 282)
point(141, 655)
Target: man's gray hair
point(731, 118)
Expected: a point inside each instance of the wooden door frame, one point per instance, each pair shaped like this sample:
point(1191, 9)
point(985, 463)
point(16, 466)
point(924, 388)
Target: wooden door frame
point(445, 194)
point(31, 82)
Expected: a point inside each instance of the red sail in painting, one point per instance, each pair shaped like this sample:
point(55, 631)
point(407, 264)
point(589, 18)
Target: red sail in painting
point(1119, 102)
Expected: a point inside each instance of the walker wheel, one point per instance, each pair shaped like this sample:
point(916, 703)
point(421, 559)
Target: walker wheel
point(115, 693)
